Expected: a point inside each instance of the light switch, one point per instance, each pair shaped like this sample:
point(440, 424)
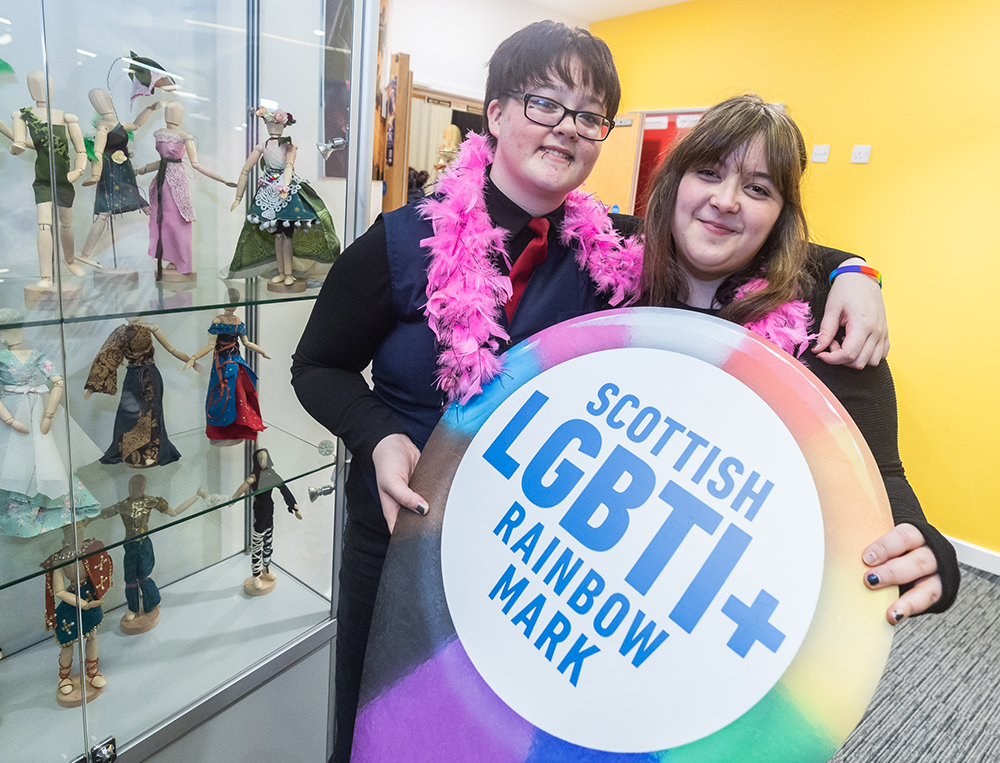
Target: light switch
point(860, 154)
point(821, 153)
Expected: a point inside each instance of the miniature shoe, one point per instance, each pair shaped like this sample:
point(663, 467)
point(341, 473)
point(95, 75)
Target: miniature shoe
point(65, 683)
point(289, 280)
point(75, 269)
point(278, 278)
point(94, 677)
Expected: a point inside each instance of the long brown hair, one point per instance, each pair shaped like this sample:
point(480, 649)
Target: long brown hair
point(724, 129)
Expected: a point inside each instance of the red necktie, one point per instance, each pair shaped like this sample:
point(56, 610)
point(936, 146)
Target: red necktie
point(532, 256)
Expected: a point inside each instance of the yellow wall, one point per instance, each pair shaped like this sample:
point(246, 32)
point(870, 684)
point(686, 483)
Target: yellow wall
point(920, 82)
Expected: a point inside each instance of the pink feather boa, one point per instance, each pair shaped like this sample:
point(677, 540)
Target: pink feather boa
point(466, 291)
point(786, 326)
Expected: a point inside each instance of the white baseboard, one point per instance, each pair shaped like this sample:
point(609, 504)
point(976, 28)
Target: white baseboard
point(977, 556)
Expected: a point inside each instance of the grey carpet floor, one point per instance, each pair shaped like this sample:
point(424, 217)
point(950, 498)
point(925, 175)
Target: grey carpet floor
point(939, 699)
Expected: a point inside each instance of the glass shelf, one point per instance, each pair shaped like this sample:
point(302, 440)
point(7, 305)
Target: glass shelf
point(146, 297)
point(294, 459)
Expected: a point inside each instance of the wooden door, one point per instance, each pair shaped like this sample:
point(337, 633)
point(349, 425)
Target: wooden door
point(614, 178)
point(397, 154)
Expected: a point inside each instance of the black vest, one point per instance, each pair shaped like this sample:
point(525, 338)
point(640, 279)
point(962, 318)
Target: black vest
point(404, 368)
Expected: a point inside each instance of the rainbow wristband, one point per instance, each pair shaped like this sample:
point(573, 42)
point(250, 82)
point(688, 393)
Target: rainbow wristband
point(868, 271)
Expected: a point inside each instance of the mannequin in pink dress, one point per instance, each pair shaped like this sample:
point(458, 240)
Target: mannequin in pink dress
point(170, 210)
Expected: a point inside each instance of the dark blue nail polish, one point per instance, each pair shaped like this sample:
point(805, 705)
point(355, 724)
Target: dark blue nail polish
point(872, 579)
point(898, 616)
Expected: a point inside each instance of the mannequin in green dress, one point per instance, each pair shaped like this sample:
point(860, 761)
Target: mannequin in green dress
point(30, 130)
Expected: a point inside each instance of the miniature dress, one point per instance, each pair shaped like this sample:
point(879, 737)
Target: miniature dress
point(34, 484)
point(61, 618)
point(170, 210)
point(301, 214)
point(38, 130)
point(232, 411)
point(117, 189)
point(139, 434)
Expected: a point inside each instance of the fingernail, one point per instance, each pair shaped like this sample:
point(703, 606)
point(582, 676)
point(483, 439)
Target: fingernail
point(872, 579)
point(870, 557)
point(898, 615)
point(422, 509)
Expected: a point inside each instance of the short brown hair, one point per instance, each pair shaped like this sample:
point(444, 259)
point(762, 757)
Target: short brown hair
point(725, 129)
point(546, 51)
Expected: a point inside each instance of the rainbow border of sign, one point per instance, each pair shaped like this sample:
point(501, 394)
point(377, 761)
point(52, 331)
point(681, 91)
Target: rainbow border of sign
point(430, 704)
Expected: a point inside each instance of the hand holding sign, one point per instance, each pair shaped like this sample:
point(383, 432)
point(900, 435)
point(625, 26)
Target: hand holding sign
point(395, 458)
point(898, 558)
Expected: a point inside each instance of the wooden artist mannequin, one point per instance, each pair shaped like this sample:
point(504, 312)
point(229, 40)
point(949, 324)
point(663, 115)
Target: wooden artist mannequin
point(264, 479)
point(282, 244)
point(286, 219)
point(231, 419)
point(108, 121)
point(79, 585)
point(13, 340)
point(41, 111)
point(138, 563)
point(170, 223)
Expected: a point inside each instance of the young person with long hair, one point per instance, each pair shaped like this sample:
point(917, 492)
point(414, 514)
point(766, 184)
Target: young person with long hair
point(726, 235)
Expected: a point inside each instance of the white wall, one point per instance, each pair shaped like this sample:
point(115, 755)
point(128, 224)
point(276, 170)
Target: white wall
point(450, 41)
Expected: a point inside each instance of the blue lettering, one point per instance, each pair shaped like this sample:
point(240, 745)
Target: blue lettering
point(752, 623)
point(709, 460)
point(553, 544)
point(697, 441)
point(567, 475)
point(600, 491)
point(596, 409)
point(602, 624)
point(555, 633)
point(757, 498)
point(710, 578)
point(639, 640)
point(529, 615)
point(583, 597)
point(724, 488)
point(653, 417)
point(515, 515)
point(526, 545)
point(563, 570)
point(508, 591)
point(613, 421)
point(672, 426)
point(575, 657)
point(496, 454)
point(688, 512)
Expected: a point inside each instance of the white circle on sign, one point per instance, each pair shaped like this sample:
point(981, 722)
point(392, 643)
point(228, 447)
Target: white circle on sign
point(695, 609)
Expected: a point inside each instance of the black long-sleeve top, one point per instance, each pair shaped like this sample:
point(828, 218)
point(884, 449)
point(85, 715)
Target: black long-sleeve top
point(870, 398)
point(353, 315)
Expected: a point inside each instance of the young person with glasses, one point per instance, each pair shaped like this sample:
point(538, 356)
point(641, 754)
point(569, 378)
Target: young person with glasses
point(432, 294)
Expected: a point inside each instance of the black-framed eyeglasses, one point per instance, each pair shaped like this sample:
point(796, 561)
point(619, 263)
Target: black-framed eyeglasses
point(544, 111)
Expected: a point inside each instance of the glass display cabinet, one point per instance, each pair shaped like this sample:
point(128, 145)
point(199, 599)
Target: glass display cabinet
point(127, 233)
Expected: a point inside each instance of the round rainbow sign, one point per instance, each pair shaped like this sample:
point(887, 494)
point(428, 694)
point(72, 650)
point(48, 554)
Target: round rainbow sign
point(650, 549)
